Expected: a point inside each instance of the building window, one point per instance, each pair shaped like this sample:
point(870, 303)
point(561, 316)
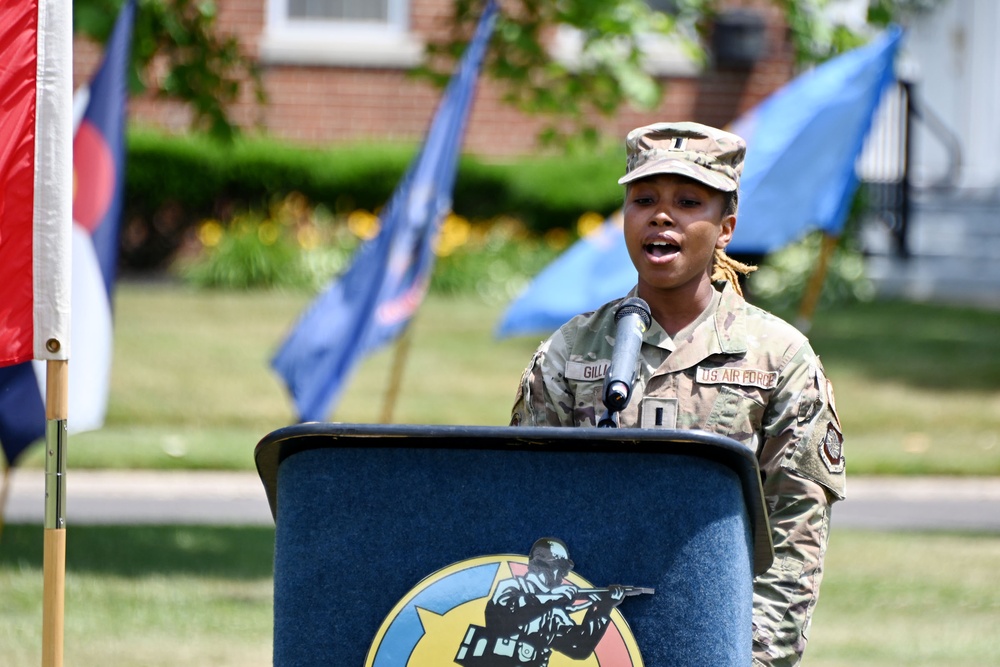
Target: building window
point(665, 6)
point(349, 33)
point(667, 56)
point(662, 55)
point(340, 10)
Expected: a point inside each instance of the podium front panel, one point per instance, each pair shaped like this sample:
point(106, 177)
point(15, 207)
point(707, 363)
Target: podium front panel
point(362, 519)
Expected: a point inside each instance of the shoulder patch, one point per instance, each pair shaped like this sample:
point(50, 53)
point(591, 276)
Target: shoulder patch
point(747, 377)
point(831, 450)
point(829, 398)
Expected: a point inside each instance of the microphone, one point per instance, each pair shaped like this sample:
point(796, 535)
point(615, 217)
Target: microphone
point(631, 321)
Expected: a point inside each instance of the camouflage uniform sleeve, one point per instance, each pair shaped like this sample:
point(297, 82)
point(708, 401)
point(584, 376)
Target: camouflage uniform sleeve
point(803, 468)
point(543, 392)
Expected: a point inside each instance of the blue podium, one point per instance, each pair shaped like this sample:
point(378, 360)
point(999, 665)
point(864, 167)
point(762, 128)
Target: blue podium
point(368, 519)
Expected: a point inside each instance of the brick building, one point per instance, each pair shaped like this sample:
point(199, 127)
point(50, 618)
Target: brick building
point(332, 79)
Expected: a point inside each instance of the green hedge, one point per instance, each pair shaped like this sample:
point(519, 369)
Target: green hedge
point(172, 183)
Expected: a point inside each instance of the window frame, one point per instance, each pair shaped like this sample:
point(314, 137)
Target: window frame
point(337, 42)
point(662, 55)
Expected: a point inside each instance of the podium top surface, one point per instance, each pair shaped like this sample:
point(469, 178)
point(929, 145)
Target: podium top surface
point(283, 443)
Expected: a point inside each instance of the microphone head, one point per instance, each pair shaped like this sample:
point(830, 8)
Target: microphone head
point(634, 306)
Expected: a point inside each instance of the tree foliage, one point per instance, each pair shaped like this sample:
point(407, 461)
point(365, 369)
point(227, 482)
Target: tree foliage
point(178, 54)
point(609, 70)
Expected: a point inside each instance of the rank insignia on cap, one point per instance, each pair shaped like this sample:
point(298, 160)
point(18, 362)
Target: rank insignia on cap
point(831, 450)
point(473, 614)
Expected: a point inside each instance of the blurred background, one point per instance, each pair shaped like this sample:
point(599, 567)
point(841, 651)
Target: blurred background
point(263, 141)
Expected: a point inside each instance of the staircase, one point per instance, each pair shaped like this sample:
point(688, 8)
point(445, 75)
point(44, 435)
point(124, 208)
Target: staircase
point(954, 244)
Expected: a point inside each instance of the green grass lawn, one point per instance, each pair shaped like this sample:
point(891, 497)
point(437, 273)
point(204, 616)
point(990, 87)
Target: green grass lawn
point(139, 596)
point(918, 386)
point(918, 389)
point(914, 599)
point(160, 596)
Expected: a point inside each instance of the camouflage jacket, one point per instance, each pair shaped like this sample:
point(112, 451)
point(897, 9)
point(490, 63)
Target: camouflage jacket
point(740, 372)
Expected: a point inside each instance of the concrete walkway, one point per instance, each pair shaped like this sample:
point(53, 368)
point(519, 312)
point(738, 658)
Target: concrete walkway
point(144, 497)
point(233, 498)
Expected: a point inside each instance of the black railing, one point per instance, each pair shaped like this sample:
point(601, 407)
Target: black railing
point(885, 164)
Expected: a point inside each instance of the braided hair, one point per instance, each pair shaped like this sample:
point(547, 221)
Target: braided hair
point(725, 267)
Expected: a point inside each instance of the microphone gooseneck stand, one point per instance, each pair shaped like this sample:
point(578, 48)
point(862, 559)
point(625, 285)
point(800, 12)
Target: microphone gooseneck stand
point(609, 420)
point(632, 319)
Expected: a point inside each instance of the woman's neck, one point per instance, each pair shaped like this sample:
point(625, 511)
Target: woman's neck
point(673, 309)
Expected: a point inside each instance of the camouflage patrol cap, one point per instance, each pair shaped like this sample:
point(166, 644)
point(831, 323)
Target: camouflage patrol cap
point(706, 154)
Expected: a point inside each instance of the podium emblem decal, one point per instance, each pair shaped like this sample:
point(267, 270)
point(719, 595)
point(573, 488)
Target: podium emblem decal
point(508, 611)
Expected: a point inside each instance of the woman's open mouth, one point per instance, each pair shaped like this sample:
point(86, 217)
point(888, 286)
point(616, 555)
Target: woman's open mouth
point(661, 249)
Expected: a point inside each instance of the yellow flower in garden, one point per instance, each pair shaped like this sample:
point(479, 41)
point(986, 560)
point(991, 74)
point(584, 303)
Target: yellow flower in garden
point(363, 224)
point(454, 234)
point(509, 227)
point(308, 237)
point(210, 233)
point(588, 223)
point(557, 238)
point(268, 232)
point(294, 206)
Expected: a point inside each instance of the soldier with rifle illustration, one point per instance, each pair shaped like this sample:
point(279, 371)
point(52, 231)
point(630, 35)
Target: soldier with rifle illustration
point(529, 617)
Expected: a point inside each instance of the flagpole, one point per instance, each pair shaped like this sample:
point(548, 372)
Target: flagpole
point(400, 354)
point(815, 286)
point(54, 552)
point(3, 498)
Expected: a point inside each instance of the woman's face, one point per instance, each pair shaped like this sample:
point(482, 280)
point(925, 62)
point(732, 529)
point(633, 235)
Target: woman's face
point(673, 225)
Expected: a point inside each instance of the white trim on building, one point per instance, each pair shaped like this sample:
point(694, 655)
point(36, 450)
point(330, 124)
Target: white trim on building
point(320, 38)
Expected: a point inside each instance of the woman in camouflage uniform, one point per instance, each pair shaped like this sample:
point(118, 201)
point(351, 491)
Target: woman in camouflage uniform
point(709, 361)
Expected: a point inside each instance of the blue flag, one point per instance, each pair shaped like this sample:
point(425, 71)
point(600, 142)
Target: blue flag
point(99, 149)
point(22, 410)
point(587, 275)
point(799, 175)
point(98, 173)
point(373, 301)
point(802, 146)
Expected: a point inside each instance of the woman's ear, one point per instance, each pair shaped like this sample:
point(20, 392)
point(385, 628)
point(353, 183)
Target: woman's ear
point(726, 234)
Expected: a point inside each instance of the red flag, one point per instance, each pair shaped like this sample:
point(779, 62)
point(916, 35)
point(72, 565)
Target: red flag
point(17, 173)
point(35, 180)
